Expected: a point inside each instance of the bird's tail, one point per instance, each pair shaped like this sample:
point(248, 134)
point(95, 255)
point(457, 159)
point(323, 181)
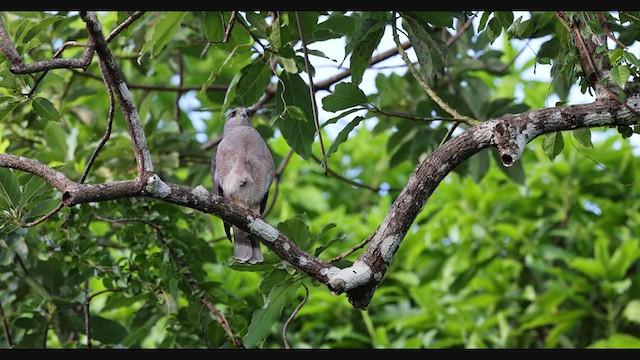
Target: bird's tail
point(246, 250)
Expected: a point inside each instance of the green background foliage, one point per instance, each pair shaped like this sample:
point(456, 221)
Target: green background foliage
point(543, 254)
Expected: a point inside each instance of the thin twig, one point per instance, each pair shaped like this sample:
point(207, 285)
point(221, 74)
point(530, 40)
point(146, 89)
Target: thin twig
point(352, 250)
point(312, 94)
point(135, 16)
point(278, 175)
point(293, 315)
point(87, 309)
point(561, 20)
point(184, 271)
point(465, 119)
point(447, 136)
point(57, 53)
point(408, 116)
point(352, 182)
point(5, 328)
point(107, 133)
point(225, 37)
point(460, 31)
point(43, 218)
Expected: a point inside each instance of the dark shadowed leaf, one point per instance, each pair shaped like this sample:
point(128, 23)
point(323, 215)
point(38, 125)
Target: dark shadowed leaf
point(343, 135)
point(10, 193)
point(553, 144)
point(298, 132)
point(107, 331)
point(45, 109)
point(263, 319)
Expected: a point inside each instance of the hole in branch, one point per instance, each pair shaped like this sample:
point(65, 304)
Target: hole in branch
point(507, 160)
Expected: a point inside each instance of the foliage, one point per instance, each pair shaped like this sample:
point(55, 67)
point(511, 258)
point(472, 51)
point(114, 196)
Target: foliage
point(543, 254)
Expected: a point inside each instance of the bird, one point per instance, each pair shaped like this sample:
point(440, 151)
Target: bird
point(242, 171)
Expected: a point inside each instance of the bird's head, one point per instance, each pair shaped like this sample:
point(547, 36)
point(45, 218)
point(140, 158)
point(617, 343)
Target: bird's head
point(237, 117)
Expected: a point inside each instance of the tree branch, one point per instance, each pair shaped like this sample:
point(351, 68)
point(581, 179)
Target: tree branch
point(5, 328)
point(293, 315)
point(87, 311)
point(116, 80)
point(314, 107)
point(509, 134)
point(18, 65)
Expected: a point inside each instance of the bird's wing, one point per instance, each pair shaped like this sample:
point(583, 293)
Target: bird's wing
point(217, 189)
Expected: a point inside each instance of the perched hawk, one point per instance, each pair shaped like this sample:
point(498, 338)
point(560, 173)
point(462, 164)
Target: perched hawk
point(242, 171)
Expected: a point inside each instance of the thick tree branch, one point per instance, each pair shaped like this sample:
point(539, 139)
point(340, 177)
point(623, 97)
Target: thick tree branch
point(509, 134)
point(18, 66)
point(116, 80)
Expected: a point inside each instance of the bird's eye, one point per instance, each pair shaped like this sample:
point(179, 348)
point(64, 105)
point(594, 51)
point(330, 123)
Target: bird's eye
point(233, 113)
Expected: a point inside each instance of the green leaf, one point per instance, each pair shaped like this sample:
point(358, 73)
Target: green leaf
point(483, 20)
point(45, 109)
point(631, 58)
point(41, 208)
point(342, 136)
point(371, 22)
point(229, 96)
point(335, 26)
point(601, 251)
point(253, 82)
point(620, 75)
point(275, 35)
point(345, 95)
point(56, 139)
point(213, 26)
point(7, 81)
point(298, 132)
point(335, 119)
point(274, 278)
point(429, 48)
point(583, 136)
point(553, 144)
point(51, 79)
point(617, 340)
point(622, 259)
point(494, 29)
point(107, 331)
point(258, 22)
point(435, 18)
point(263, 319)
point(10, 193)
point(505, 17)
point(632, 311)
point(297, 230)
point(362, 51)
point(162, 33)
point(7, 105)
point(320, 249)
point(590, 267)
point(39, 26)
